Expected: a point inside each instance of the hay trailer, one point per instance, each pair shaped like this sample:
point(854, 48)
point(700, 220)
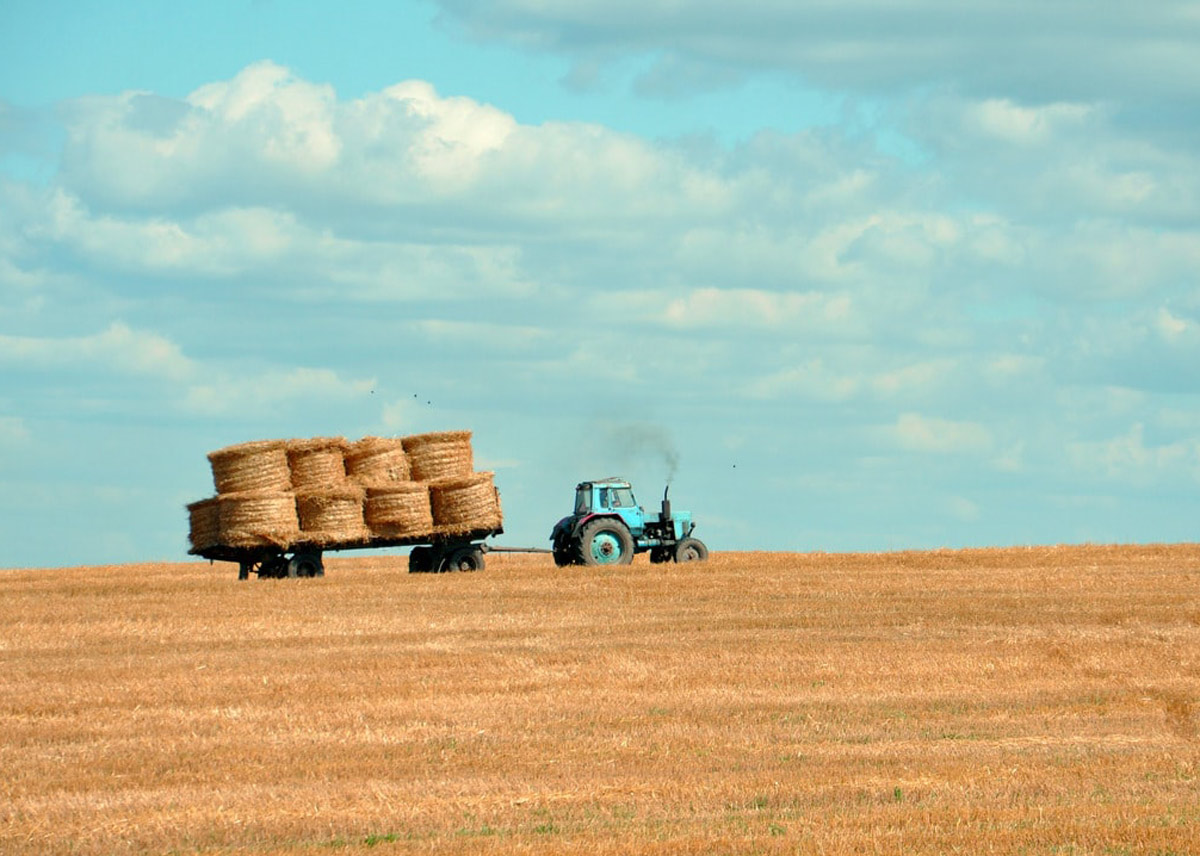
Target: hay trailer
point(429, 554)
point(281, 504)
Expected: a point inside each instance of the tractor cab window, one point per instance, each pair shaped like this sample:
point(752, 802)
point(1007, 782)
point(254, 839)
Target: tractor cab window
point(622, 497)
point(604, 498)
point(583, 500)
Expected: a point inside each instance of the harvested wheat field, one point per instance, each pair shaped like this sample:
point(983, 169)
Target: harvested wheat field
point(1042, 700)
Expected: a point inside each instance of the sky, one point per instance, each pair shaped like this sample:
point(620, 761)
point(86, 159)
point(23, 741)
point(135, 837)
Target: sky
point(849, 276)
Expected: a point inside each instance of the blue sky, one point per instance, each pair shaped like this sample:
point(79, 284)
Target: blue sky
point(857, 276)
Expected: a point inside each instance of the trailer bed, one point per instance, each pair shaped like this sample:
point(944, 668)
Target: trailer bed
point(432, 551)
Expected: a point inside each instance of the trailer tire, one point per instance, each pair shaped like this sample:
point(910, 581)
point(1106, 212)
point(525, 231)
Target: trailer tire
point(420, 560)
point(273, 567)
point(605, 542)
point(465, 559)
point(307, 564)
point(691, 550)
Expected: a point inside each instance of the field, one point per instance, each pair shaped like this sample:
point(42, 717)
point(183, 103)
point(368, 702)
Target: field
point(1033, 700)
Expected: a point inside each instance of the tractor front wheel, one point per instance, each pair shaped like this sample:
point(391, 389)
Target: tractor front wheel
point(605, 542)
point(691, 550)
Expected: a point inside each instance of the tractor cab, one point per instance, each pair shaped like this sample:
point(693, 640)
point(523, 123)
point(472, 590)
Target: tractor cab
point(610, 496)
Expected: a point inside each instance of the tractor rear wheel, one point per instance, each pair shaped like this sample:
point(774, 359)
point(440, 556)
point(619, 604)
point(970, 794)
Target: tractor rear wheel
point(691, 550)
point(605, 542)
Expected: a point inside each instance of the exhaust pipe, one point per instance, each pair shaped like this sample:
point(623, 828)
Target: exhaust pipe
point(666, 505)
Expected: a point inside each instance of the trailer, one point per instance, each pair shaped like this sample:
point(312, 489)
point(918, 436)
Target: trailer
point(431, 553)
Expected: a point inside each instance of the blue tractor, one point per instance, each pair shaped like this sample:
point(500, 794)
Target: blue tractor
point(608, 527)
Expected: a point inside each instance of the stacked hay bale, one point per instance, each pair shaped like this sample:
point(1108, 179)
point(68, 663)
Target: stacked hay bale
point(400, 510)
point(464, 503)
point(461, 499)
point(377, 461)
point(440, 455)
point(254, 502)
point(329, 505)
point(204, 519)
point(328, 492)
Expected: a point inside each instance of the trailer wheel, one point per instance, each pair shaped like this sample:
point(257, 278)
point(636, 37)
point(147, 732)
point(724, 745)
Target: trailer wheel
point(274, 567)
point(465, 559)
point(605, 542)
point(306, 565)
point(691, 550)
point(420, 560)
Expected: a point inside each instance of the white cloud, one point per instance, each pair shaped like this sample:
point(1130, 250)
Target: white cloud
point(963, 509)
point(261, 392)
point(1111, 50)
point(737, 309)
point(118, 348)
point(1128, 458)
point(1176, 330)
point(812, 380)
point(1025, 126)
point(942, 436)
point(494, 337)
point(13, 431)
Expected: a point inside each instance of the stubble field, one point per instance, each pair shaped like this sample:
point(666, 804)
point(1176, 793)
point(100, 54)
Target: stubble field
point(1040, 700)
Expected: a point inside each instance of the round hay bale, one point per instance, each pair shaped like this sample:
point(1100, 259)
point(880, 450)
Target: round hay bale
point(332, 515)
point(440, 455)
point(467, 503)
point(317, 463)
point(204, 523)
point(374, 461)
point(258, 519)
point(260, 465)
point(399, 510)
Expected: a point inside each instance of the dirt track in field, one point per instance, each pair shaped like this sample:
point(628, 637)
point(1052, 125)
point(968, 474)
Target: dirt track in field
point(1040, 700)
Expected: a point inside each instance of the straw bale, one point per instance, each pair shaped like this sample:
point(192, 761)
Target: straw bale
point(317, 463)
point(258, 518)
point(204, 523)
point(260, 465)
point(440, 455)
point(399, 510)
point(463, 504)
point(377, 461)
point(332, 515)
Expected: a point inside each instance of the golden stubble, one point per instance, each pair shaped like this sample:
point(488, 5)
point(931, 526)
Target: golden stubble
point(1036, 700)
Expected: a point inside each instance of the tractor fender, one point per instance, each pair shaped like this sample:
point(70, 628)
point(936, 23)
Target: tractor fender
point(583, 521)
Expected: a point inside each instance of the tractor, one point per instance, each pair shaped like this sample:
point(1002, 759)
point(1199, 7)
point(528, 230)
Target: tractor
point(608, 527)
